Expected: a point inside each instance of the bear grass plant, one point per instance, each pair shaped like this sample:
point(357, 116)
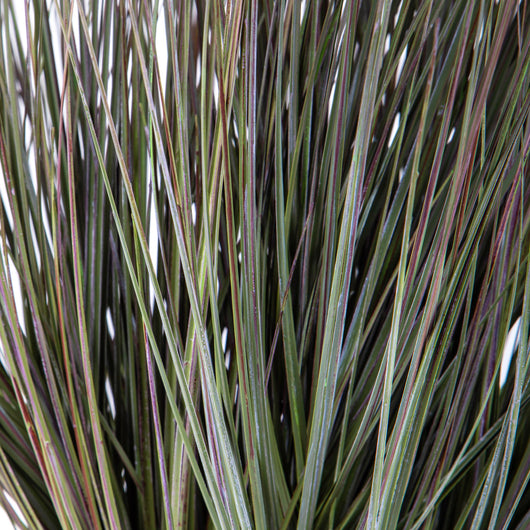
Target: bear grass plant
point(259, 264)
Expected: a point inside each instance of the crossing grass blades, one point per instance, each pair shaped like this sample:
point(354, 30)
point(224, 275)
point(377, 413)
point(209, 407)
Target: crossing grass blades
point(259, 264)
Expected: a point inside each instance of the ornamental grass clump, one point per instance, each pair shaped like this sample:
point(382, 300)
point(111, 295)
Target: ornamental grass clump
point(261, 264)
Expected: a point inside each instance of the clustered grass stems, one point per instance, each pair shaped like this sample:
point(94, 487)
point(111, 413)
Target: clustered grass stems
point(264, 279)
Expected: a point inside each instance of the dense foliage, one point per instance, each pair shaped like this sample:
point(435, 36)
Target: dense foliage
point(259, 263)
